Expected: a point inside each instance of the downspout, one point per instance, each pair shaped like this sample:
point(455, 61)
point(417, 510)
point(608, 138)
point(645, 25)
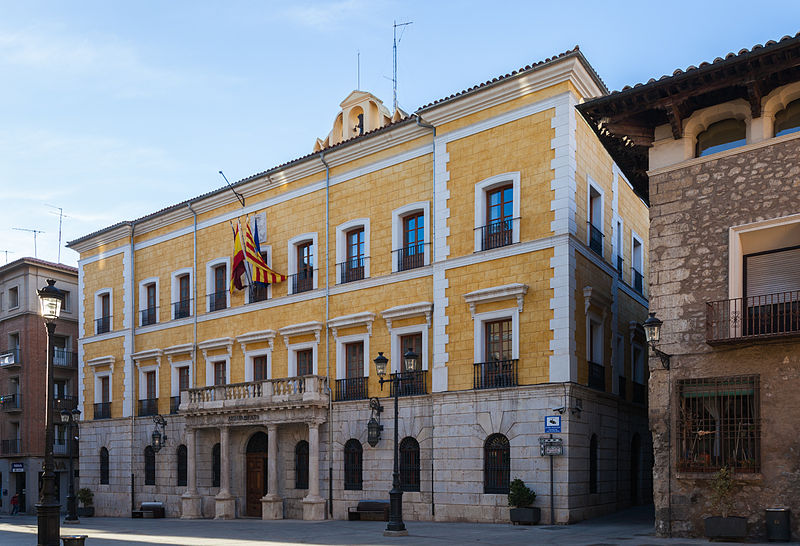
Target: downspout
point(133, 366)
point(194, 288)
point(327, 340)
point(432, 225)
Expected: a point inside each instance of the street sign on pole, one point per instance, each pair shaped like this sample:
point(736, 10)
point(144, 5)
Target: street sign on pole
point(552, 423)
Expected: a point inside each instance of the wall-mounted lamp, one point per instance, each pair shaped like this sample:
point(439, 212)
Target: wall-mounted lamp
point(159, 438)
point(652, 332)
point(374, 426)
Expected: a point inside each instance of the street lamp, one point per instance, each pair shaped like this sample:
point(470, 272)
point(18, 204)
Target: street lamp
point(158, 438)
point(395, 527)
point(652, 332)
point(47, 510)
point(70, 419)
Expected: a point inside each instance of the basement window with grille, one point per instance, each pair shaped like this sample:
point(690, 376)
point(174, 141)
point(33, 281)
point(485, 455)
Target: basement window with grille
point(719, 424)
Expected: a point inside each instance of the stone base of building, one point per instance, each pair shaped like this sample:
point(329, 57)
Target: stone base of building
point(191, 506)
point(272, 507)
point(313, 508)
point(224, 506)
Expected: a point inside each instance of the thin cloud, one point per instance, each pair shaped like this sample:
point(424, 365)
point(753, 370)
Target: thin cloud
point(326, 15)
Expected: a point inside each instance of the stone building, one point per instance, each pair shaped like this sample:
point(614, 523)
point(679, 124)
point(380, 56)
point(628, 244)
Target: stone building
point(489, 231)
point(720, 145)
point(23, 361)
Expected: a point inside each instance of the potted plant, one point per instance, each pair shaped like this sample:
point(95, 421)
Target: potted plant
point(85, 497)
point(520, 496)
point(724, 526)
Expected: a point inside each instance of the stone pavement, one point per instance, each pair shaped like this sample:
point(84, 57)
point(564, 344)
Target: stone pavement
point(629, 527)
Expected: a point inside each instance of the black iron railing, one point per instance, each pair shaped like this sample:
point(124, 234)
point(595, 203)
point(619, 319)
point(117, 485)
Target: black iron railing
point(352, 270)
point(65, 402)
point(11, 402)
point(497, 234)
point(754, 317)
point(639, 393)
point(411, 383)
point(102, 325)
point(410, 257)
point(495, 374)
point(148, 316)
point(217, 301)
point(65, 358)
point(182, 309)
point(11, 357)
point(597, 376)
point(622, 384)
point(351, 388)
point(174, 403)
point(595, 239)
point(11, 446)
point(637, 279)
point(102, 410)
point(302, 281)
point(258, 291)
point(148, 406)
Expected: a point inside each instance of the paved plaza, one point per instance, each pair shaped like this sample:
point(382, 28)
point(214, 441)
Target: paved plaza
point(629, 527)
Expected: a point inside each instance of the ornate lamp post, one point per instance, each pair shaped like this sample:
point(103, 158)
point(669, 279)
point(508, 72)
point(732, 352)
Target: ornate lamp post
point(652, 332)
point(70, 418)
point(395, 527)
point(48, 508)
point(158, 438)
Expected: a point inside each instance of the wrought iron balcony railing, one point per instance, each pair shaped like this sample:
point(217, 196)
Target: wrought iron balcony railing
point(217, 301)
point(597, 376)
point(182, 309)
point(65, 402)
point(596, 239)
point(498, 233)
point(11, 402)
point(11, 357)
point(351, 388)
point(302, 281)
point(637, 280)
point(65, 358)
point(148, 406)
point(102, 410)
point(410, 257)
point(102, 325)
point(11, 446)
point(258, 291)
point(753, 317)
point(411, 383)
point(174, 404)
point(148, 316)
point(495, 374)
point(352, 270)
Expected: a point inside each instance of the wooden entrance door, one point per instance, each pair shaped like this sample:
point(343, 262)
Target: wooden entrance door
point(256, 482)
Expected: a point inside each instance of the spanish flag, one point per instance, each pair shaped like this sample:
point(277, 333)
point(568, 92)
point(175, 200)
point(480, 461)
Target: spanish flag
point(238, 268)
point(259, 270)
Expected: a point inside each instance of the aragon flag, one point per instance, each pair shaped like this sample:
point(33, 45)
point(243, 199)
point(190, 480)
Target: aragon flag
point(238, 268)
point(259, 270)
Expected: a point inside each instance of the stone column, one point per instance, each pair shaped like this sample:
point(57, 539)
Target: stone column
point(225, 504)
point(313, 504)
point(191, 505)
point(272, 503)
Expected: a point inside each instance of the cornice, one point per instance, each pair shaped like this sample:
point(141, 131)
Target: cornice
point(422, 308)
point(496, 293)
point(110, 235)
point(302, 328)
point(348, 321)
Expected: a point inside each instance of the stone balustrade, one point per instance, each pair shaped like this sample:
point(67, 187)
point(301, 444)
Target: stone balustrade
point(309, 389)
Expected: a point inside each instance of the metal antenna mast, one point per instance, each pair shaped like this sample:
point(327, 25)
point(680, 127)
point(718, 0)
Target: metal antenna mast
point(61, 216)
point(7, 252)
point(35, 232)
point(394, 52)
point(358, 69)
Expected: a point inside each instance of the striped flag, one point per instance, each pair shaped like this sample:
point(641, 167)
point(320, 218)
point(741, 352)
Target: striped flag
point(259, 270)
point(238, 268)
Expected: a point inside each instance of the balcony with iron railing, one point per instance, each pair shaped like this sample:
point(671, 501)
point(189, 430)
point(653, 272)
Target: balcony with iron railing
point(752, 318)
point(148, 316)
point(11, 446)
point(60, 446)
point(10, 358)
point(495, 374)
point(298, 392)
point(620, 263)
point(351, 388)
point(354, 269)
point(174, 404)
point(148, 406)
point(302, 281)
point(257, 291)
point(217, 301)
point(411, 383)
point(11, 402)
point(597, 376)
point(496, 234)
point(65, 402)
point(410, 256)
point(65, 358)
point(182, 309)
point(102, 325)
point(595, 239)
point(102, 410)
point(639, 393)
point(637, 280)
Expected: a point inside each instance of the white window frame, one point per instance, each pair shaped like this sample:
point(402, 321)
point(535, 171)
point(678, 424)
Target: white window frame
point(210, 280)
point(397, 350)
point(341, 364)
point(638, 264)
point(479, 331)
point(210, 361)
point(619, 243)
point(98, 388)
point(341, 244)
point(592, 185)
point(143, 370)
point(265, 250)
point(143, 297)
point(291, 248)
point(67, 307)
point(596, 319)
point(249, 358)
point(398, 217)
point(98, 308)
point(482, 188)
point(175, 290)
point(175, 388)
point(294, 347)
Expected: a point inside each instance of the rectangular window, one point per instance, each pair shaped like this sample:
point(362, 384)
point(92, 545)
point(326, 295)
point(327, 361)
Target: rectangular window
point(637, 373)
point(412, 254)
point(305, 362)
point(414, 342)
point(183, 378)
point(353, 269)
point(260, 371)
point(304, 279)
point(595, 220)
point(103, 324)
point(637, 266)
point(13, 297)
point(149, 313)
point(719, 424)
point(219, 373)
point(498, 340)
point(354, 356)
point(183, 296)
point(220, 295)
point(150, 384)
point(67, 299)
point(596, 356)
point(104, 392)
point(499, 227)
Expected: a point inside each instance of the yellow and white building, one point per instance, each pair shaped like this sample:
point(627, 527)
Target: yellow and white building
point(490, 231)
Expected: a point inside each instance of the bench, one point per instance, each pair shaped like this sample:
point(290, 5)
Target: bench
point(369, 510)
point(149, 510)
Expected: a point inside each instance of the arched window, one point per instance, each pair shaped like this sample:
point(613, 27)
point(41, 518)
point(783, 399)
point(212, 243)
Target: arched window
point(215, 466)
point(301, 465)
point(593, 464)
point(720, 136)
point(149, 466)
point(409, 464)
point(182, 465)
point(353, 460)
point(103, 466)
point(788, 120)
point(496, 464)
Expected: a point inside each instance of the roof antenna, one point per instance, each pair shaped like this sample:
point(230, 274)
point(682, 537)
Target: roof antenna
point(238, 195)
point(394, 51)
point(61, 216)
point(358, 69)
point(7, 252)
point(35, 232)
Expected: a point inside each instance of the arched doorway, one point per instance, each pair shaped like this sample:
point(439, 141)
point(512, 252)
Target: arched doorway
point(636, 456)
point(256, 473)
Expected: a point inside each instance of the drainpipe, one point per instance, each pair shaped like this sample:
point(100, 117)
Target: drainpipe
point(194, 288)
point(133, 375)
point(327, 341)
point(432, 225)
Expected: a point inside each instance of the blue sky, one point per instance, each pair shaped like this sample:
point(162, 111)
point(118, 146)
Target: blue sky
point(113, 110)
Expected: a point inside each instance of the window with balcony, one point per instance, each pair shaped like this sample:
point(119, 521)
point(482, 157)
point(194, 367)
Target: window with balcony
point(595, 356)
point(102, 397)
point(353, 464)
point(720, 136)
point(218, 298)
point(305, 361)
point(638, 358)
point(220, 373)
point(788, 120)
point(182, 294)
point(497, 211)
point(182, 373)
point(496, 465)
point(353, 268)
point(412, 379)
point(102, 312)
point(412, 254)
point(620, 249)
point(499, 367)
point(595, 220)
point(148, 405)
point(354, 385)
point(302, 274)
point(409, 464)
point(148, 303)
point(260, 368)
point(637, 264)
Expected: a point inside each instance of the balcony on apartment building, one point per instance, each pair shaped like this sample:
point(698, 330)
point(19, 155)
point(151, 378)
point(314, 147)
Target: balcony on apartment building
point(148, 406)
point(753, 318)
point(182, 309)
point(497, 234)
point(597, 376)
point(354, 269)
point(218, 300)
point(11, 446)
point(11, 358)
point(411, 383)
point(495, 374)
point(174, 404)
point(102, 410)
point(64, 402)
point(351, 388)
point(148, 316)
point(595, 240)
point(64, 358)
point(410, 257)
point(11, 403)
point(302, 281)
point(102, 325)
point(637, 280)
point(258, 291)
point(309, 390)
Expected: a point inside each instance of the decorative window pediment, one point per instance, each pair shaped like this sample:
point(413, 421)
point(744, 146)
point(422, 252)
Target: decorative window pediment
point(301, 329)
point(419, 309)
point(496, 293)
point(263, 336)
point(107, 360)
point(150, 354)
point(176, 350)
point(214, 344)
point(350, 321)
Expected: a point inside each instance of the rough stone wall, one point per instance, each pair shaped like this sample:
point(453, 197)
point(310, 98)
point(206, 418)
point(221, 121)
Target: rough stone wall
point(692, 209)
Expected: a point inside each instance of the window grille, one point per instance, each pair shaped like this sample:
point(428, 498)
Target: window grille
point(353, 459)
point(182, 473)
point(301, 465)
point(103, 466)
point(149, 466)
point(719, 424)
point(496, 464)
point(409, 464)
